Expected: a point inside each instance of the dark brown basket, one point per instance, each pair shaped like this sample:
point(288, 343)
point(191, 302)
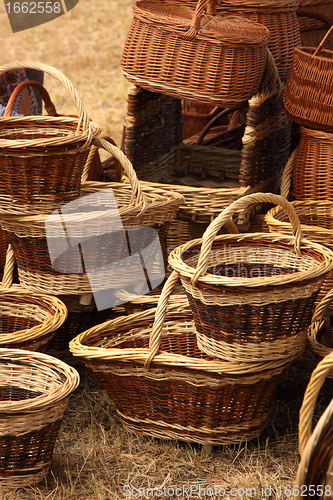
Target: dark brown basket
point(42, 157)
point(222, 63)
point(163, 386)
point(307, 95)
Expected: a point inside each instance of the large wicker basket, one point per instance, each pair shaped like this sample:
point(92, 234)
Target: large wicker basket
point(307, 94)
point(164, 386)
point(221, 62)
point(42, 157)
point(33, 237)
point(252, 294)
point(314, 474)
point(34, 389)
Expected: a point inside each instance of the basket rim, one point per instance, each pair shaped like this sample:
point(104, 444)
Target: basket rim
point(45, 363)
point(60, 314)
point(184, 270)
point(162, 359)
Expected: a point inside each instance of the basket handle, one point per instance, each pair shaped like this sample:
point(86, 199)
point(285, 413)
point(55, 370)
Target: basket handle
point(137, 197)
point(49, 106)
point(8, 273)
point(242, 204)
point(210, 6)
point(310, 397)
point(84, 125)
point(287, 175)
point(213, 121)
point(321, 45)
point(156, 332)
point(322, 308)
point(93, 151)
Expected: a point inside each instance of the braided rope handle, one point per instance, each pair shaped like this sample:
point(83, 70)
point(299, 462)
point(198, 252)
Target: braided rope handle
point(94, 151)
point(8, 273)
point(241, 204)
point(310, 397)
point(322, 308)
point(287, 175)
point(137, 197)
point(84, 121)
point(49, 106)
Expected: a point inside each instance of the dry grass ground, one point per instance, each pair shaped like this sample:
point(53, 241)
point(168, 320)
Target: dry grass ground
point(95, 457)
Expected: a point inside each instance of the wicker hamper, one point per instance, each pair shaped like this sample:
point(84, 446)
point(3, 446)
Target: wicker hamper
point(164, 387)
point(314, 474)
point(176, 50)
point(31, 238)
point(43, 157)
point(252, 294)
point(34, 389)
point(307, 95)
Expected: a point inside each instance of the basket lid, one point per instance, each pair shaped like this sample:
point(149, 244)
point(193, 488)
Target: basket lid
point(230, 29)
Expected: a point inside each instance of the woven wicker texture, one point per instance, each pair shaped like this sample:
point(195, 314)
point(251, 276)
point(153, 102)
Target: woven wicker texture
point(163, 386)
point(315, 17)
point(279, 18)
point(307, 94)
point(221, 61)
point(136, 207)
point(316, 448)
point(196, 115)
point(251, 295)
point(315, 469)
point(35, 389)
point(42, 157)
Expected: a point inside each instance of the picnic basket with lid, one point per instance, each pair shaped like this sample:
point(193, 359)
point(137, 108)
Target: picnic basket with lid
point(42, 157)
point(32, 236)
point(251, 294)
point(35, 389)
point(164, 386)
point(307, 93)
point(175, 50)
point(314, 474)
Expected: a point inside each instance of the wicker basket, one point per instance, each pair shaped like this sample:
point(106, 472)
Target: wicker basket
point(316, 17)
point(42, 157)
point(307, 93)
point(136, 207)
point(252, 295)
point(222, 62)
point(281, 20)
point(314, 474)
point(35, 389)
point(163, 386)
point(196, 115)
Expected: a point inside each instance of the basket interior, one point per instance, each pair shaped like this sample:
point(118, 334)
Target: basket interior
point(21, 313)
point(253, 259)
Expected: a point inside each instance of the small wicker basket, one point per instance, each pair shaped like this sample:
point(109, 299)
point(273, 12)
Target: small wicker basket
point(164, 386)
point(307, 93)
point(252, 294)
point(42, 157)
point(34, 389)
point(175, 50)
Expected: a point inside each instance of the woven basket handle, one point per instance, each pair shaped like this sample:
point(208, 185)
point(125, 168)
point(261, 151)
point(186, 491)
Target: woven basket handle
point(137, 197)
point(213, 121)
point(94, 151)
point(49, 106)
point(322, 308)
point(84, 124)
point(241, 204)
point(8, 273)
point(321, 45)
point(310, 397)
point(156, 333)
point(287, 175)
point(210, 6)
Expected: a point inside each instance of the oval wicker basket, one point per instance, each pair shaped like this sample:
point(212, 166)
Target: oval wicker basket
point(42, 157)
point(314, 474)
point(221, 62)
point(252, 294)
point(164, 386)
point(34, 389)
point(136, 207)
point(307, 94)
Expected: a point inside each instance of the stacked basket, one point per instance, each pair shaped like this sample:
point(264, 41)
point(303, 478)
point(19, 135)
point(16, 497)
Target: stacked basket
point(208, 375)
